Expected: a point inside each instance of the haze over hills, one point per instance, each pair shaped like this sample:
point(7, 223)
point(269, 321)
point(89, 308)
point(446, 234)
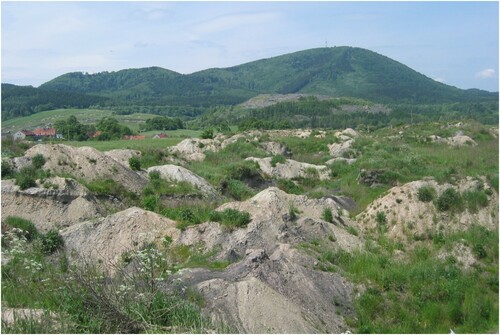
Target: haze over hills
point(337, 71)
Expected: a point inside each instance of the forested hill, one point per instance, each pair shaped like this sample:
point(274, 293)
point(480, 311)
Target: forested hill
point(26, 100)
point(338, 71)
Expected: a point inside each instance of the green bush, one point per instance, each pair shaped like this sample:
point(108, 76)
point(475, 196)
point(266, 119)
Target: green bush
point(150, 202)
point(450, 200)
point(290, 187)
point(134, 163)
point(475, 200)
point(26, 178)
point(236, 189)
point(277, 159)
point(25, 225)
point(381, 218)
point(244, 170)
point(327, 215)
point(38, 161)
point(426, 193)
point(208, 133)
point(51, 242)
point(6, 170)
point(231, 218)
point(154, 175)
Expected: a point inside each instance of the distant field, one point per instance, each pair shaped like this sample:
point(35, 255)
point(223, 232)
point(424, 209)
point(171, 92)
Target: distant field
point(85, 116)
point(175, 136)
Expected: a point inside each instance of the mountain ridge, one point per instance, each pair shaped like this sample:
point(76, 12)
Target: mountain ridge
point(336, 71)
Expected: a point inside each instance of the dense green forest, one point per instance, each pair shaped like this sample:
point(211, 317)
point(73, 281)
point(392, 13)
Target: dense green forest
point(26, 100)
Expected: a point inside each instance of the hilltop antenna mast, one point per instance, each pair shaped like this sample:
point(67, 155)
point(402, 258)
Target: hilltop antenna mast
point(326, 43)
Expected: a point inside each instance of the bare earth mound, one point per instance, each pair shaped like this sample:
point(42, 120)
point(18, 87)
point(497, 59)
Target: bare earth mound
point(274, 287)
point(178, 173)
point(87, 163)
point(291, 169)
point(67, 203)
point(408, 217)
point(105, 240)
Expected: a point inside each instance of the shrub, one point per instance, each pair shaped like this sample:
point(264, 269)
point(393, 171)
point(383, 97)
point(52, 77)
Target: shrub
point(150, 202)
point(25, 225)
point(231, 218)
point(327, 215)
point(38, 161)
point(381, 218)
point(426, 193)
point(475, 200)
point(208, 133)
point(236, 189)
point(244, 170)
point(154, 175)
point(450, 200)
point(26, 178)
point(292, 212)
point(353, 231)
point(277, 159)
point(6, 169)
point(290, 187)
point(51, 242)
point(134, 163)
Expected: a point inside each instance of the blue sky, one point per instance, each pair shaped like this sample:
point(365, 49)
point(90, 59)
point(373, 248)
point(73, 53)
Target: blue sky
point(452, 42)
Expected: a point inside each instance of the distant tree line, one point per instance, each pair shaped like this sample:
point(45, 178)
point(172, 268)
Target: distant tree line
point(162, 123)
point(109, 128)
point(312, 113)
point(26, 100)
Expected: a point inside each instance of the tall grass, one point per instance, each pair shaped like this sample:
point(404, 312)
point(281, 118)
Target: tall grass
point(425, 294)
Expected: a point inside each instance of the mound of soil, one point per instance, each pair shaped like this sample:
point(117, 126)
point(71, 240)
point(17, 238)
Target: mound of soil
point(291, 169)
point(104, 240)
point(64, 204)
point(87, 163)
point(407, 217)
point(178, 173)
point(273, 287)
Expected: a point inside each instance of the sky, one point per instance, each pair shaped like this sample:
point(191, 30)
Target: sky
point(456, 43)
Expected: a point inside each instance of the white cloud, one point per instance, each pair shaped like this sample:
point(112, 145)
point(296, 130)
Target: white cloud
point(486, 74)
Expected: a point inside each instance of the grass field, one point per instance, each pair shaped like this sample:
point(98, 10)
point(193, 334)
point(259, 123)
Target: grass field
point(85, 116)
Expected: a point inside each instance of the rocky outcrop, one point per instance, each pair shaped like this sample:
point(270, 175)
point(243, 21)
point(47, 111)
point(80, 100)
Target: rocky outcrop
point(104, 240)
point(62, 202)
point(86, 163)
point(291, 169)
point(179, 174)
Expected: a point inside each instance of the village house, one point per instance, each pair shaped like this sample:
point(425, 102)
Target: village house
point(22, 134)
point(162, 135)
point(45, 132)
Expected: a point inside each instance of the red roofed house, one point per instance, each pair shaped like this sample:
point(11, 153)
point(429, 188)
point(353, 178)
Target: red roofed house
point(162, 135)
point(45, 132)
